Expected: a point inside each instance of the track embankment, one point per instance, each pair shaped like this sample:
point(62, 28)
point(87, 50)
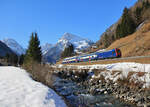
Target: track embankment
point(137, 59)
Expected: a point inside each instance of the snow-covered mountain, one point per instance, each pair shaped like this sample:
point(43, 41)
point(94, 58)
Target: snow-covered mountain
point(14, 46)
point(46, 47)
point(79, 43)
point(4, 49)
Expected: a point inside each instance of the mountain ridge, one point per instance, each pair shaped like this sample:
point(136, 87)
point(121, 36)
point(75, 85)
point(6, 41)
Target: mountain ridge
point(4, 49)
point(67, 38)
point(14, 46)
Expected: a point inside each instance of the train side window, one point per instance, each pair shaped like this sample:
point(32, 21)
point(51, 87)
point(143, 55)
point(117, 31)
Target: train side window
point(113, 52)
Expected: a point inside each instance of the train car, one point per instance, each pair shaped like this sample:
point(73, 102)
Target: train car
point(114, 53)
point(87, 57)
point(70, 60)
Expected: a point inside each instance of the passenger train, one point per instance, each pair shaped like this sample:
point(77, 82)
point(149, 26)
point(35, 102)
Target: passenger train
point(114, 53)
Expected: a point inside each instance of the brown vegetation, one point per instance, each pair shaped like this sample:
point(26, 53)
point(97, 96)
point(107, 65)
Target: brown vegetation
point(136, 44)
point(40, 73)
point(129, 83)
point(139, 12)
point(97, 71)
point(116, 72)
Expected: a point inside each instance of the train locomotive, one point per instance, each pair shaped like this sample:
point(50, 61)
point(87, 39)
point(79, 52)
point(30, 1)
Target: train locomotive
point(113, 53)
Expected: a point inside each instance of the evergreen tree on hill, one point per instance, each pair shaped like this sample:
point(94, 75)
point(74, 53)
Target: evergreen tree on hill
point(141, 11)
point(106, 41)
point(68, 51)
point(127, 25)
point(38, 54)
point(21, 59)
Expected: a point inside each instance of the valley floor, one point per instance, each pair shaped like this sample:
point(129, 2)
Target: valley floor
point(17, 89)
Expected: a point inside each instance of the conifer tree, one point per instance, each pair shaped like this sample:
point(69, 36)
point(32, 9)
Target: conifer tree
point(21, 59)
point(38, 53)
point(11, 59)
point(33, 52)
point(68, 51)
point(138, 14)
point(106, 41)
point(127, 25)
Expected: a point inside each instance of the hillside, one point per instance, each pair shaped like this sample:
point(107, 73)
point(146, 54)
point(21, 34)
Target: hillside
point(136, 44)
point(14, 46)
point(54, 52)
point(4, 49)
point(137, 14)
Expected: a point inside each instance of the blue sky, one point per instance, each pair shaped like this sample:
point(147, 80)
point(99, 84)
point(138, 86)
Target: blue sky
point(52, 18)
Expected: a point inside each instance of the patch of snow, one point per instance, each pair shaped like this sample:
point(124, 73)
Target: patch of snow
point(45, 48)
point(117, 71)
point(67, 39)
point(140, 25)
point(19, 90)
point(78, 42)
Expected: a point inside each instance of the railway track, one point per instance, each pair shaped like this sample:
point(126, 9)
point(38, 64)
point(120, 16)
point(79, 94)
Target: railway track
point(124, 58)
point(137, 59)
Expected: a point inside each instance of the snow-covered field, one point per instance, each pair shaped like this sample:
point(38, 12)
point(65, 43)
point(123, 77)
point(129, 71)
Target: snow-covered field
point(17, 89)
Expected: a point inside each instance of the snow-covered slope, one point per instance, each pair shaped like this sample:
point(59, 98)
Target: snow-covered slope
point(67, 39)
point(4, 49)
point(78, 42)
point(46, 47)
point(19, 90)
point(12, 44)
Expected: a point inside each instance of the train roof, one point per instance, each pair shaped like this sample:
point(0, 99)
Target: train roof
point(101, 50)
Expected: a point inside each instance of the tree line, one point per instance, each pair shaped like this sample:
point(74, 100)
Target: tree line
point(33, 53)
point(68, 51)
point(129, 22)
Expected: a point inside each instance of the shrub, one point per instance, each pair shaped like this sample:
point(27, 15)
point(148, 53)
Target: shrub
point(40, 73)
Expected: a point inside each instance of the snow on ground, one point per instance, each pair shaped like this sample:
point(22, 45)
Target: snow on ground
point(17, 89)
point(125, 67)
point(117, 71)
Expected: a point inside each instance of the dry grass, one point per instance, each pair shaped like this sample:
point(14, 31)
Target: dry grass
point(97, 71)
point(40, 73)
point(130, 74)
point(140, 74)
point(131, 83)
point(136, 44)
